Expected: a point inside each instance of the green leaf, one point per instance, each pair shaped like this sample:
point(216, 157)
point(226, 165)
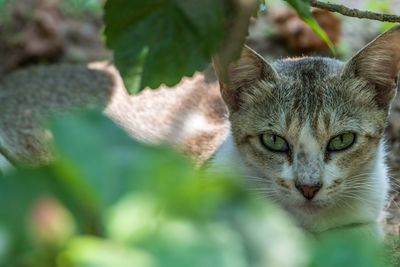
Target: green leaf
point(80, 7)
point(31, 219)
point(262, 6)
point(101, 163)
point(17, 196)
point(379, 6)
point(348, 247)
point(3, 10)
point(3, 3)
point(159, 41)
point(92, 251)
point(302, 8)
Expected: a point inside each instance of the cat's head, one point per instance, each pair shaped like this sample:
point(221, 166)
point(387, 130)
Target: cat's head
point(310, 129)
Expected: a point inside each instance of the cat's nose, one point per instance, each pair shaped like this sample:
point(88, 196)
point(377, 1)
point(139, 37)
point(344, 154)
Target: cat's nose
point(308, 190)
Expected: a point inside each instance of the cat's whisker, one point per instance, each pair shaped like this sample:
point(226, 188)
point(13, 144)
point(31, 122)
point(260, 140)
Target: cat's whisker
point(261, 190)
point(396, 204)
point(393, 201)
point(264, 197)
point(395, 182)
point(356, 197)
point(255, 178)
point(362, 174)
point(359, 184)
point(359, 190)
point(395, 190)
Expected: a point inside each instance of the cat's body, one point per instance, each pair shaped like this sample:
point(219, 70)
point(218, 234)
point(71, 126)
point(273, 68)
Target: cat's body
point(306, 133)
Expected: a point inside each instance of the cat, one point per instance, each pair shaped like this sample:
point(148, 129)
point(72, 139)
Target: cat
point(307, 133)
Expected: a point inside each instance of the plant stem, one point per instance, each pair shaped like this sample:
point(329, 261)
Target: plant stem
point(352, 12)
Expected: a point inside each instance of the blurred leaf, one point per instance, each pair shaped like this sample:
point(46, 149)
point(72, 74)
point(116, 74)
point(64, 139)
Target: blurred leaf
point(353, 248)
point(158, 42)
point(384, 26)
point(133, 218)
point(80, 7)
point(51, 224)
point(392, 243)
point(101, 162)
point(383, 6)
point(95, 157)
point(379, 6)
point(302, 8)
point(197, 245)
point(3, 10)
point(20, 192)
point(97, 252)
point(268, 235)
point(262, 6)
point(3, 3)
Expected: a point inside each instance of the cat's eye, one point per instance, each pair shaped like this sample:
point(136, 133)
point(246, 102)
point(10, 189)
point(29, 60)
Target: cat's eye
point(341, 142)
point(274, 142)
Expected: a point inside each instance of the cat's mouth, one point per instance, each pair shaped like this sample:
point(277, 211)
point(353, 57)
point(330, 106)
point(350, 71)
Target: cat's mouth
point(312, 207)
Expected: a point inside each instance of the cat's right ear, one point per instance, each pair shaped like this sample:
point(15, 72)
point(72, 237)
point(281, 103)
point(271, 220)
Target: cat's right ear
point(243, 75)
point(378, 63)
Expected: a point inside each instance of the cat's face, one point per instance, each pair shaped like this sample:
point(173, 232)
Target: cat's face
point(311, 136)
point(310, 129)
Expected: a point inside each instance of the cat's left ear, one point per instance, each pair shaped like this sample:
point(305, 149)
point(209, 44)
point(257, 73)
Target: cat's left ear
point(243, 75)
point(379, 64)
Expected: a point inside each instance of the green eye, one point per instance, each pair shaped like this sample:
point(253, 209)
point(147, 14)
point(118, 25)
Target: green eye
point(341, 142)
point(274, 142)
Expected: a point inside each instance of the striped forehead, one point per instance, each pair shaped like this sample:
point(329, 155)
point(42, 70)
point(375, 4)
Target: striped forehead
point(302, 135)
point(307, 140)
point(305, 85)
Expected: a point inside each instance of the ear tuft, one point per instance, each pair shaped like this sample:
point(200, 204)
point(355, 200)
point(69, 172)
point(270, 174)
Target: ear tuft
point(249, 69)
point(379, 64)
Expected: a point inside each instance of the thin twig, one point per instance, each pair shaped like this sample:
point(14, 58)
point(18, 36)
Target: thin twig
point(352, 12)
point(237, 27)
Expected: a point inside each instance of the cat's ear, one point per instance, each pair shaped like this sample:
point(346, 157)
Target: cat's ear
point(243, 75)
point(379, 64)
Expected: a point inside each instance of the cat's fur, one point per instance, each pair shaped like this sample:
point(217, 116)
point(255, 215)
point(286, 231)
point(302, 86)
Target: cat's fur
point(308, 101)
point(305, 100)
point(184, 116)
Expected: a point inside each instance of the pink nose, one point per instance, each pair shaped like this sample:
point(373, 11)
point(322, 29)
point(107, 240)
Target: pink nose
point(308, 191)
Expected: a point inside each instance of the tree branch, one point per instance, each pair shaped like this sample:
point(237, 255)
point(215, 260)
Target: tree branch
point(236, 32)
point(352, 12)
